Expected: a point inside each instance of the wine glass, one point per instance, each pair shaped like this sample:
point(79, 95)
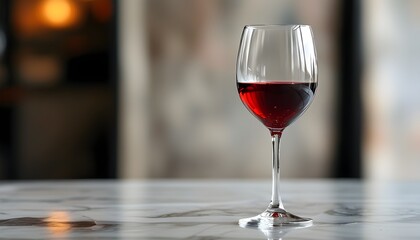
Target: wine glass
point(276, 77)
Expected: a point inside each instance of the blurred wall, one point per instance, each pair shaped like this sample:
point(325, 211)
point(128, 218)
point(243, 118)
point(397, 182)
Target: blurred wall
point(180, 112)
point(391, 89)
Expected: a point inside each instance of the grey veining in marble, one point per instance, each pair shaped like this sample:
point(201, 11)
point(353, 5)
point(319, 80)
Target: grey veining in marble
point(192, 209)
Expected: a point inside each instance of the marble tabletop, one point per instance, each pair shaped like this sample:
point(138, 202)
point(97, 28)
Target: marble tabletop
point(205, 209)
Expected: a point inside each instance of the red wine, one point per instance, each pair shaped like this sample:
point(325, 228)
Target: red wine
point(276, 104)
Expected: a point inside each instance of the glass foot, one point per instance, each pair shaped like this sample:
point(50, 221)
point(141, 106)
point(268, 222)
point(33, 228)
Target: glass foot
point(275, 217)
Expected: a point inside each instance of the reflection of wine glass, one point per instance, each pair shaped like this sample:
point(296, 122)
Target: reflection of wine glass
point(276, 77)
point(273, 233)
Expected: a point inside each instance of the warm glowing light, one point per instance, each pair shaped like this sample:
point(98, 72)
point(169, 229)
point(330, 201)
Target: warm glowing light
point(59, 13)
point(58, 223)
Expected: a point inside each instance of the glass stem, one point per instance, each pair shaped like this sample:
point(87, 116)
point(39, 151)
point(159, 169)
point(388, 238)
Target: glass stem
point(275, 197)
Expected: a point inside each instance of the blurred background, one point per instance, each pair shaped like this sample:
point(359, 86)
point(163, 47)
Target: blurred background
point(146, 89)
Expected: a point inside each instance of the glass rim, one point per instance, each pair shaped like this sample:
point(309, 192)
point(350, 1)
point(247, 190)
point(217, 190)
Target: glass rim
point(274, 26)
